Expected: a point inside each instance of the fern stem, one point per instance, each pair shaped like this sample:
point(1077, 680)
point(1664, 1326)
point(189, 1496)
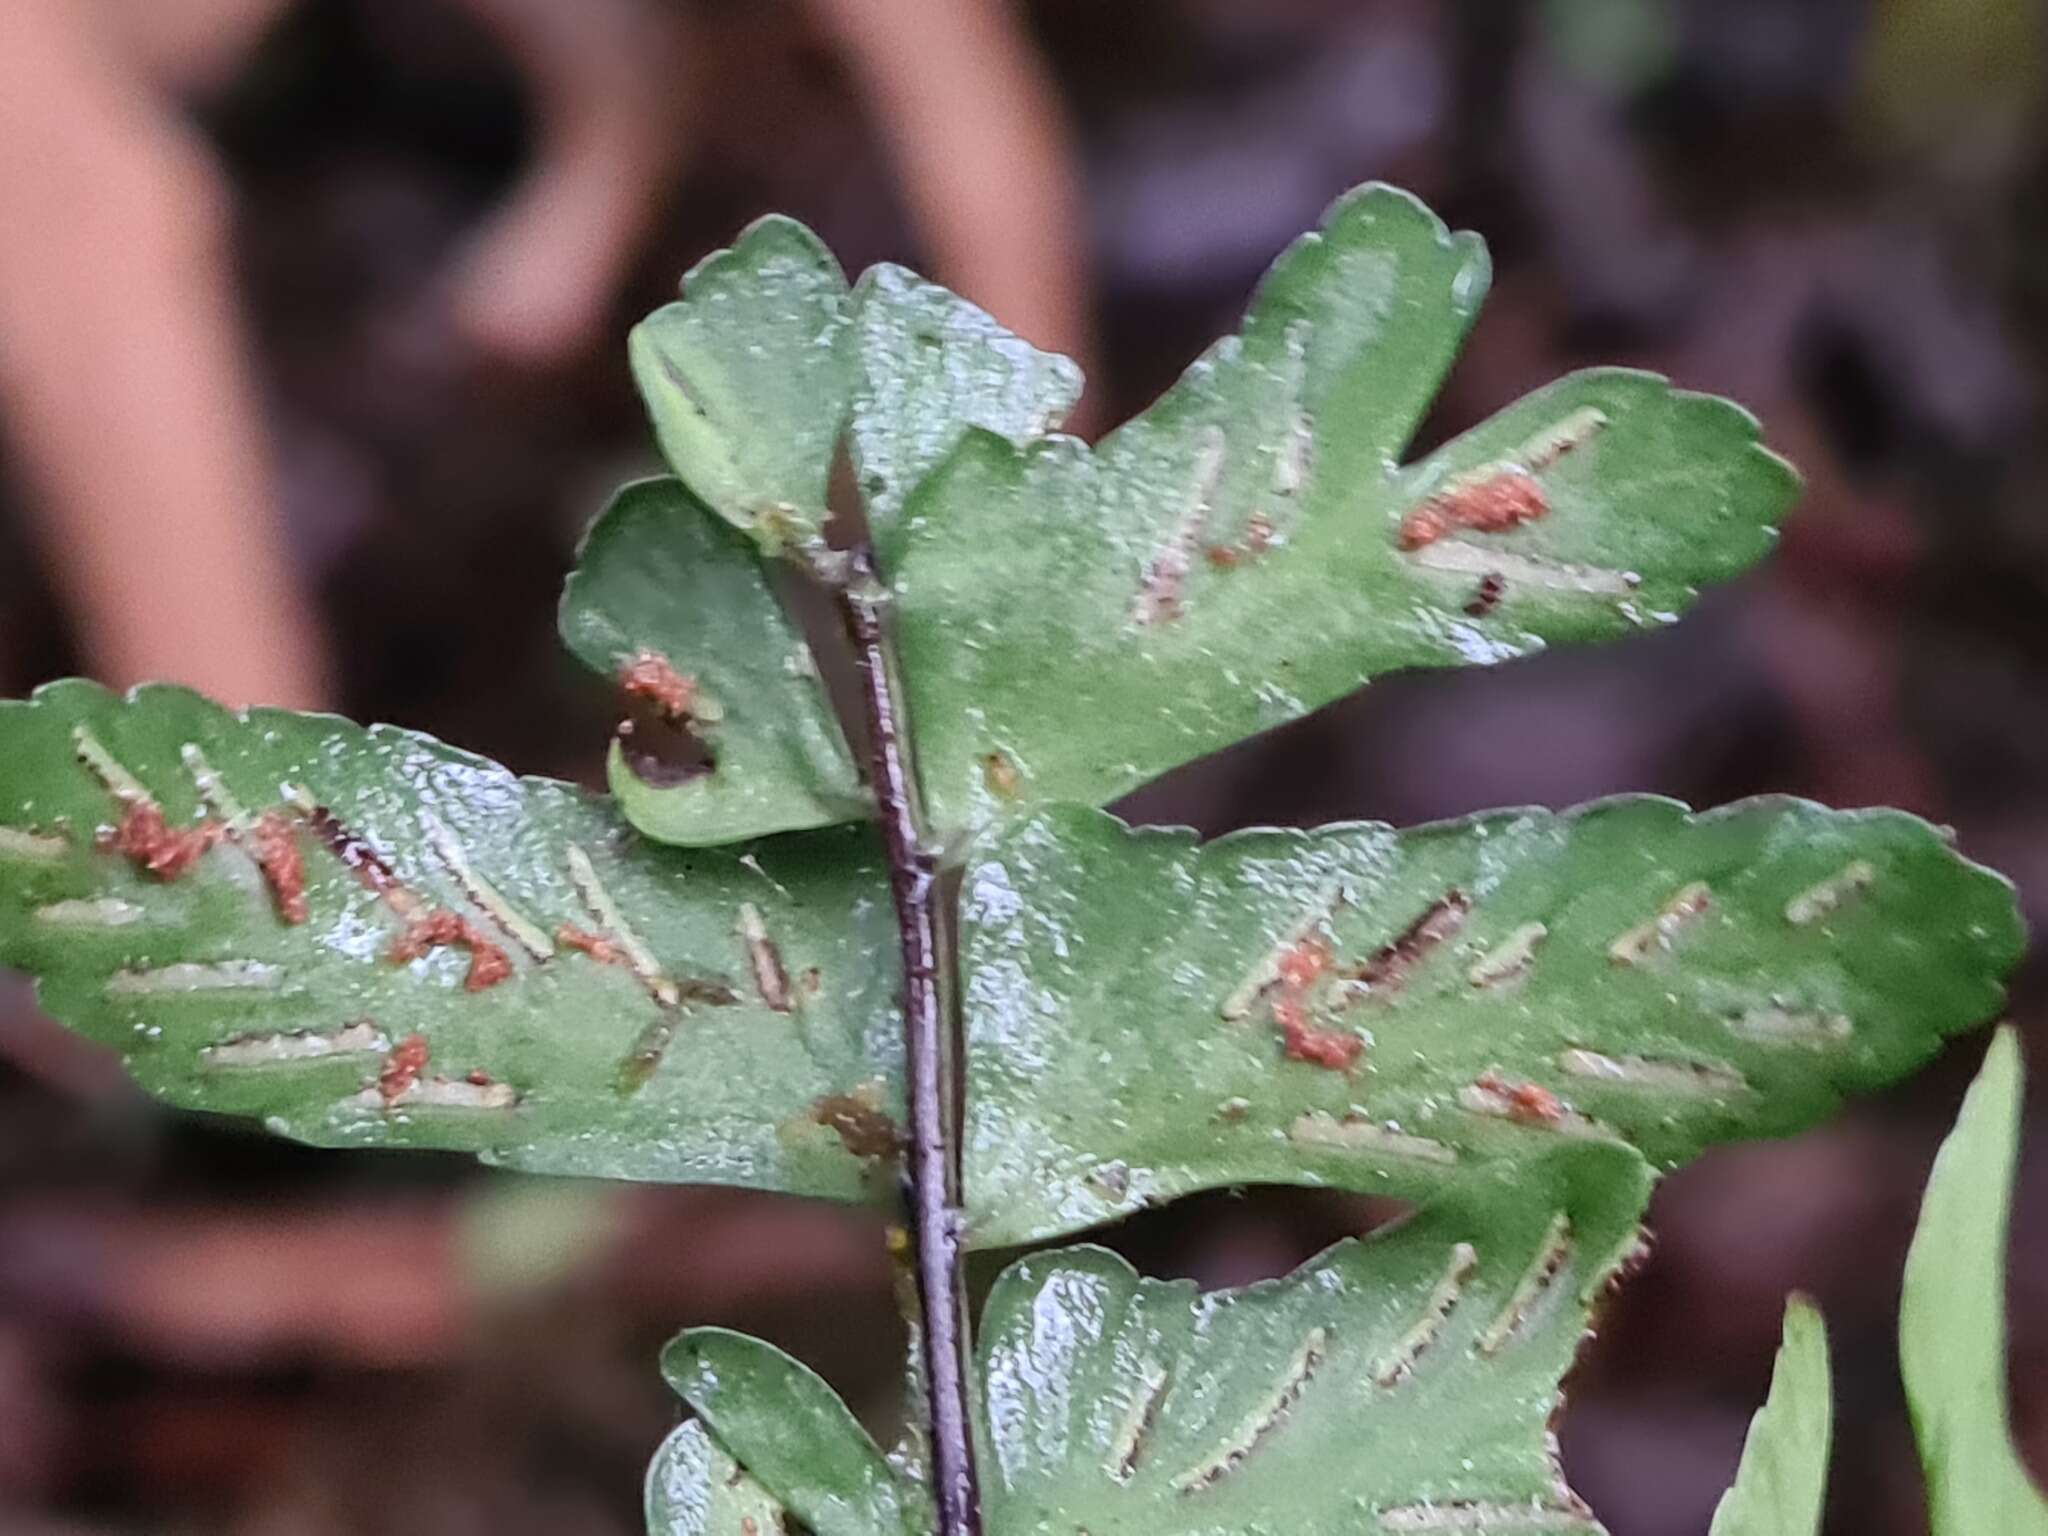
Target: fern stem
point(933, 1156)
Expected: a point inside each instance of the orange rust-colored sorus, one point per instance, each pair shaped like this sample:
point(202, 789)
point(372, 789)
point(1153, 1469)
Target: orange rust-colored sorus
point(488, 964)
point(1493, 505)
point(167, 853)
point(1303, 962)
point(274, 846)
point(651, 676)
point(163, 851)
point(402, 1068)
point(1529, 1103)
point(599, 948)
point(1258, 538)
point(1336, 1049)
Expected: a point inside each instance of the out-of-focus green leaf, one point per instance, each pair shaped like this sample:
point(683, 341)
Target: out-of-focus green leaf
point(659, 576)
point(1404, 1382)
point(1952, 1318)
point(737, 1024)
point(1783, 1479)
point(1074, 622)
point(1626, 971)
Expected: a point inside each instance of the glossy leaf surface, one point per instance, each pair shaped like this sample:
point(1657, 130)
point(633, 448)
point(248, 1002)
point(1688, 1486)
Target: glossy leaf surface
point(1952, 1318)
point(753, 375)
point(662, 1050)
point(931, 365)
point(695, 1489)
point(1783, 1479)
point(1075, 622)
point(1626, 971)
point(746, 378)
point(800, 1440)
point(1402, 1382)
point(658, 576)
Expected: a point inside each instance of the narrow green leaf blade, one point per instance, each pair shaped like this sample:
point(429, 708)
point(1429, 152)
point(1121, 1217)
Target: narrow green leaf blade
point(1625, 971)
point(1952, 1317)
point(658, 575)
point(695, 1489)
point(746, 379)
point(1075, 622)
point(729, 1008)
point(794, 1433)
point(1783, 1479)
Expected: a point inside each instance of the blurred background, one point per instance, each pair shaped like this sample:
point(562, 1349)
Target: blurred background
point(311, 369)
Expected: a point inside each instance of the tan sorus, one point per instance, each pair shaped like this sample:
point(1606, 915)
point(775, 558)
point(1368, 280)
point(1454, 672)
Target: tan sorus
point(214, 793)
point(1262, 1420)
point(1266, 973)
point(1510, 959)
point(361, 1038)
point(454, 1093)
point(1657, 933)
point(771, 978)
point(1399, 1362)
point(1291, 459)
point(1291, 462)
point(1165, 578)
point(108, 769)
point(1545, 448)
point(1778, 1025)
point(752, 865)
point(1537, 1278)
point(1653, 1074)
point(613, 926)
point(1499, 1097)
point(1462, 558)
point(526, 933)
point(1355, 1133)
point(192, 976)
point(32, 847)
point(1823, 900)
point(1129, 1442)
point(1488, 1519)
point(91, 912)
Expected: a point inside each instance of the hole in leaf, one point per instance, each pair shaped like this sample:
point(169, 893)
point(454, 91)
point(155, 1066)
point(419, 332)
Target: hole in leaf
point(659, 751)
point(1220, 1238)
